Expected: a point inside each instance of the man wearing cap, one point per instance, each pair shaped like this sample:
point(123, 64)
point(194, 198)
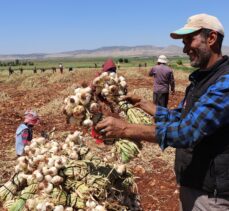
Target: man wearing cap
point(163, 79)
point(198, 128)
point(24, 132)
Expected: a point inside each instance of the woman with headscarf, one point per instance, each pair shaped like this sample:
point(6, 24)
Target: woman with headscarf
point(24, 132)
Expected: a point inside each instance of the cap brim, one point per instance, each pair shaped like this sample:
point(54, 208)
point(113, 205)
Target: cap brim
point(180, 33)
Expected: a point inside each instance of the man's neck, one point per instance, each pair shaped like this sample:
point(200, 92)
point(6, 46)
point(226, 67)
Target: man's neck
point(214, 58)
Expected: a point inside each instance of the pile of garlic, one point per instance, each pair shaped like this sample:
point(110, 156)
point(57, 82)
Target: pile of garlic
point(85, 103)
point(65, 176)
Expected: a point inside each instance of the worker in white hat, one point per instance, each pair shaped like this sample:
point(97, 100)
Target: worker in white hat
point(163, 81)
point(198, 127)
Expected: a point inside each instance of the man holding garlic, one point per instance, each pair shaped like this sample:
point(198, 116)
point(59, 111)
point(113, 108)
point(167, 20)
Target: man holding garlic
point(198, 128)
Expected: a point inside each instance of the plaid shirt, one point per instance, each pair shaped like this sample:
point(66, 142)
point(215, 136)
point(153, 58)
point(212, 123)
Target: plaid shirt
point(208, 114)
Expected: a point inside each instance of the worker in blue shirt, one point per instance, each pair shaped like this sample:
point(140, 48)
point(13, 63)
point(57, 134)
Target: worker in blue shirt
point(198, 128)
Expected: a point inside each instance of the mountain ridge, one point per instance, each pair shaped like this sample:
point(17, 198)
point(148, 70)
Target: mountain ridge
point(108, 51)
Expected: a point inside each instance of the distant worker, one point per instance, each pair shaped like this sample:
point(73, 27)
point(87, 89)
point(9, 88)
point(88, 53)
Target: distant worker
point(35, 69)
point(163, 80)
point(61, 68)
point(24, 132)
point(11, 71)
point(21, 70)
point(53, 69)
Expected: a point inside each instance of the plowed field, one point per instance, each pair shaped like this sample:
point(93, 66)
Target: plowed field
point(44, 92)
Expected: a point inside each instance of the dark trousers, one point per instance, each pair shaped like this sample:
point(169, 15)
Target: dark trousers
point(161, 99)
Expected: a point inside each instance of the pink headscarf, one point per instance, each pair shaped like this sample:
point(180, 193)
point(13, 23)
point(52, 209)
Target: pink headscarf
point(31, 117)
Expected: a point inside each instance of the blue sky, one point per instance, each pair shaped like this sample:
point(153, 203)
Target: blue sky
point(46, 26)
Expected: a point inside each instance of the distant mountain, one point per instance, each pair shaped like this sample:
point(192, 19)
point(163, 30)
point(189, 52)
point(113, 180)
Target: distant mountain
point(112, 51)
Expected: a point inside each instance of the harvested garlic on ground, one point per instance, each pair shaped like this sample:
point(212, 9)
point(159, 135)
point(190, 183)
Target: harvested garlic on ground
point(91, 203)
point(59, 208)
point(48, 178)
point(56, 180)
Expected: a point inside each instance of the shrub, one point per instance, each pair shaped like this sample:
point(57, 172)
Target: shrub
point(179, 62)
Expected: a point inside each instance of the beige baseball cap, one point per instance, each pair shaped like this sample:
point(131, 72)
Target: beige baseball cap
point(197, 22)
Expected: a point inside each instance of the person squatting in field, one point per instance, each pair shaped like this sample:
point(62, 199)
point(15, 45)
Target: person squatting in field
point(163, 80)
point(24, 132)
point(198, 127)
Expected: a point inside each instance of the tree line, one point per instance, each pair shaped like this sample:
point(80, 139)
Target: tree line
point(16, 62)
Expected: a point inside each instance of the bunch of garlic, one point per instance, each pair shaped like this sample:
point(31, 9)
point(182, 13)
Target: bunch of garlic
point(79, 107)
point(110, 86)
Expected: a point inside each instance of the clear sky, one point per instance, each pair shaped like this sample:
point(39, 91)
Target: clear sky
point(48, 26)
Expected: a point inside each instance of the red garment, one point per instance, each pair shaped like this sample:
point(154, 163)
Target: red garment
point(25, 137)
point(95, 135)
point(108, 65)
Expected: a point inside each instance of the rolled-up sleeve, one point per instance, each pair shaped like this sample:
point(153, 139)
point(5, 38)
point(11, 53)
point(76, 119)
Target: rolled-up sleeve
point(209, 113)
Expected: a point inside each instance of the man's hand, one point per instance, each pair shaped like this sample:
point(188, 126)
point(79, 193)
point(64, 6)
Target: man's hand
point(111, 127)
point(147, 106)
point(132, 98)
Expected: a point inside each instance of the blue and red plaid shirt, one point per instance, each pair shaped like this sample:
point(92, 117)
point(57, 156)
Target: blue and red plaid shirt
point(209, 113)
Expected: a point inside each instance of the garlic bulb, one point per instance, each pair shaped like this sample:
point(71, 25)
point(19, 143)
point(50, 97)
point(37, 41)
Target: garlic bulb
point(100, 208)
point(74, 155)
point(91, 203)
point(94, 108)
point(121, 168)
point(49, 206)
point(58, 208)
point(56, 180)
point(53, 171)
point(30, 204)
point(87, 122)
point(49, 188)
point(38, 175)
point(48, 178)
point(68, 209)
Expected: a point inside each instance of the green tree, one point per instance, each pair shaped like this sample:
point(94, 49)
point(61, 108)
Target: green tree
point(126, 61)
point(179, 62)
point(120, 60)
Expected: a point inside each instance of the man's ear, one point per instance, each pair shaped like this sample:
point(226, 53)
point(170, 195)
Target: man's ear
point(212, 38)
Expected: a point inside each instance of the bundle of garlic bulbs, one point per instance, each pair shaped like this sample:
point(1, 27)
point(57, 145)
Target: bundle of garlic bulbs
point(65, 175)
point(81, 107)
point(110, 86)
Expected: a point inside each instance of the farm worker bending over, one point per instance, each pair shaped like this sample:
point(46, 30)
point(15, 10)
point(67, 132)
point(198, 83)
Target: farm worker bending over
point(199, 127)
point(163, 79)
point(24, 132)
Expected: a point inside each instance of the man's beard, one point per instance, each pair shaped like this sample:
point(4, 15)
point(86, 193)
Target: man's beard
point(202, 57)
